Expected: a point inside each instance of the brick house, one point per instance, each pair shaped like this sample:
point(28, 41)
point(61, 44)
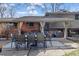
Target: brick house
point(62, 24)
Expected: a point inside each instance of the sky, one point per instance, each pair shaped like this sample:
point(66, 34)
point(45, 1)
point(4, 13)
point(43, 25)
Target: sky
point(23, 10)
point(28, 10)
point(36, 9)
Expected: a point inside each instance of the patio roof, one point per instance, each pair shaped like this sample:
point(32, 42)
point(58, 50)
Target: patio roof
point(36, 19)
point(45, 19)
point(6, 19)
point(41, 18)
point(68, 13)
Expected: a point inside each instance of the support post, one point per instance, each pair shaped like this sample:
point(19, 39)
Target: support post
point(19, 28)
point(65, 30)
point(42, 24)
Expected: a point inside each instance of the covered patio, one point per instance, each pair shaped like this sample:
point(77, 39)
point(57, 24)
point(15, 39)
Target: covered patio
point(42, 21)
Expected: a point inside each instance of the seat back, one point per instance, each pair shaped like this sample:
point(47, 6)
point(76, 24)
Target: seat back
point(31, 38)
point(14, 37)
point(20, 38)
point(40, 37)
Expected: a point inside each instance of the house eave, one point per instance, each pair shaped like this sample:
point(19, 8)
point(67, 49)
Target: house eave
point(44, 19)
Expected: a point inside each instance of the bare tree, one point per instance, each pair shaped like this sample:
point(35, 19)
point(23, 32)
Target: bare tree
point(2, 10)
point(45, 7)
point(12, 12)
point(56, 6)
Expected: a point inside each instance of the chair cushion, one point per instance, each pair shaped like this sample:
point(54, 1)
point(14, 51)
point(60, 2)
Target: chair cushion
point(40, 37)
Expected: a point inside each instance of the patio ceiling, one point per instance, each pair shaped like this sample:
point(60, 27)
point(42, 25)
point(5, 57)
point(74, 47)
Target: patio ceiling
point(43, 19)
point(36, 19)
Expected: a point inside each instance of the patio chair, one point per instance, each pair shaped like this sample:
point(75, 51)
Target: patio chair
point(41, 39)
point(31, 42)
point(20, 40)
point(46, 33)
point(13, 39)
point(30, 39)
point(49, 38)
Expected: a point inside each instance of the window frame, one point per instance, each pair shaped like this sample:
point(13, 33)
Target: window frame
point(30, 24)
point(76, 16)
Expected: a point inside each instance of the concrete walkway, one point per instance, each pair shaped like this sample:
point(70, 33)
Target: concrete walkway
point(56, 48)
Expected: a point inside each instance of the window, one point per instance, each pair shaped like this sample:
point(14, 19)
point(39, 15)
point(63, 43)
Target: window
point(77, 16)
point(15, 24)
point(73, 32)
point(30, 23)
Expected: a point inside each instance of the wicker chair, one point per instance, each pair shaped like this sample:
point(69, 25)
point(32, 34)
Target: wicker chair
point(13, 39)
point(20, 40)
point(30, 40)
point(41, 39)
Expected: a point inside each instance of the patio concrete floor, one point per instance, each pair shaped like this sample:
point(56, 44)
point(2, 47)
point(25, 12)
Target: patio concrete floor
point(58, 47)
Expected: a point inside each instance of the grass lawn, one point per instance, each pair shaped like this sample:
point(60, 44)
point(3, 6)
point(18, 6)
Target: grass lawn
point(73, 53)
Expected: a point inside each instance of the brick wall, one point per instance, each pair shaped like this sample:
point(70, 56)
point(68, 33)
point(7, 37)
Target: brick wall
point(26, 28)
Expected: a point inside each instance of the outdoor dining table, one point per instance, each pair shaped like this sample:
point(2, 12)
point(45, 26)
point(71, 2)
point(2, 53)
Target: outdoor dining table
point(30, 41)
point(34, 44)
